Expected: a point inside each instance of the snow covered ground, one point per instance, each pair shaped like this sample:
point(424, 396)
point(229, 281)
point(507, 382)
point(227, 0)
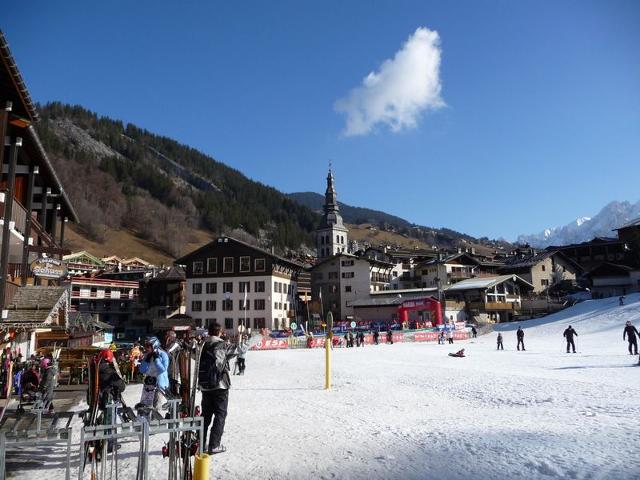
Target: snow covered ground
point(408, 411)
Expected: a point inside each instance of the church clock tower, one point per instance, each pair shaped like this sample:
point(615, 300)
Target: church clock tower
point(331, 236)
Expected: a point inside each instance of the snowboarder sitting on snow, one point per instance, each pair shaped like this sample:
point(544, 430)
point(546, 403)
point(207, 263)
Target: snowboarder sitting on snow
point(568, 334)
point(155, 364)
point(500, 345)
point(520, 336)
point(630, 332)
point(459, 353)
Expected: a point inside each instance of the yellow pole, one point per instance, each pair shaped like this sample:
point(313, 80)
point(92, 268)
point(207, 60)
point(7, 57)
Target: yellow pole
point(201, 467)
point(327, 356)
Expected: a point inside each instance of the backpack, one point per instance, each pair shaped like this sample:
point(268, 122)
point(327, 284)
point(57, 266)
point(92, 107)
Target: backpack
point(209, 375)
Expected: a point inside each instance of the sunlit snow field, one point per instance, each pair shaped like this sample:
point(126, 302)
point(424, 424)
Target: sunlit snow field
point(408, 411)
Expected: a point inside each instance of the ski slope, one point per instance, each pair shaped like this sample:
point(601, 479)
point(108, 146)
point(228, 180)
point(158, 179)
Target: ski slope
point(408, 411)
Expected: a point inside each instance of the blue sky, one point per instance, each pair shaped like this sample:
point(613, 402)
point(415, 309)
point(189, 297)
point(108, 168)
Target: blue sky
point(538, 124)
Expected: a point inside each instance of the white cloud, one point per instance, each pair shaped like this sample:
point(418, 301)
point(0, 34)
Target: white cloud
point(401, 89)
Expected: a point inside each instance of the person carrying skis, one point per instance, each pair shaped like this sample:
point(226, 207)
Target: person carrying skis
point(172, 347)
point(155, 365)
point(109, 379)
point(568, 334)
point(520, 337)
point(500, 345)
point(214, 381)
point(630, 332)
point(243, 348)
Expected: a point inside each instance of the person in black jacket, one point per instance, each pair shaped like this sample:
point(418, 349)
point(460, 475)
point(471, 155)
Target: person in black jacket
point(520, 336)
point(568, 334)
point(630, 332)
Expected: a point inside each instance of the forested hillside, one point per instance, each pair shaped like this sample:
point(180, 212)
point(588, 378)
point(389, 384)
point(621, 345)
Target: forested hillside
point(121, 176)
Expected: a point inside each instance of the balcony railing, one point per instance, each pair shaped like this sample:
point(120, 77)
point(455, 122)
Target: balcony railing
point(18, 213)
point(494, 306)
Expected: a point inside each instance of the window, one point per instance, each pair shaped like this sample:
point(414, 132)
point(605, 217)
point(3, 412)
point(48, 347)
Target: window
point(258, 323)
point(259, 286)
point(227, 265)
point(227, 305)
point(212, 265)
point(348, 274)
point(544, 268)
point(245, 264)
point(342, 240)
point(228, 323)
point(196, 288)
point(212, 287)
point(321, 240)
point(259, 304)
point(337, 238)
point(277, 287)
point(289, 289)
point(227, 287)
point(197, 268)
point(347, 288)
point(242, 306)
point(275, 305)
point(544, 282)
point(196, 306)
point(332, 275)
point(347, 263)
point(245, 287)
point(211, 306)
point(285, 306)
point(259, 265)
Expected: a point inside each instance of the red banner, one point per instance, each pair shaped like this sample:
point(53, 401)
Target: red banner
point(426, 336)
point(271, 344)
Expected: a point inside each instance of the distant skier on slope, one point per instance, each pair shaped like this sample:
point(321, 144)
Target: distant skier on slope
point(520, 336)
point(500, 345)
point(568, 334)
point(630, 332)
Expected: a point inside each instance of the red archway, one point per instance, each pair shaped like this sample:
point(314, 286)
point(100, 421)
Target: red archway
point(426, 303)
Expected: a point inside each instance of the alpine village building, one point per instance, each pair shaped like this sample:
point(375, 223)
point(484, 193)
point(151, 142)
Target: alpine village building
point(240, 285)
point(34, 209)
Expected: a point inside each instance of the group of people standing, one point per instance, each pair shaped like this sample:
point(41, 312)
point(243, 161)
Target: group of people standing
point(568, 334)
point(159, 363)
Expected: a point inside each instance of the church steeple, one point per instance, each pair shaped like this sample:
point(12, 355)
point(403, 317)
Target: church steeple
point(331, 236)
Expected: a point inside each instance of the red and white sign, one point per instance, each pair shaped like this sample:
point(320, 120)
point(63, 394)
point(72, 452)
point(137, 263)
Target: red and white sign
point(426, 336)
point(271, 344)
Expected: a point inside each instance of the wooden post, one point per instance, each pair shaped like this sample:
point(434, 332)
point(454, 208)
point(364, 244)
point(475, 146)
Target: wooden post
point(43, 208)
point(64, 221)
point(27, 225)
point(54, 222)
point(8, 210)
point(4, 120)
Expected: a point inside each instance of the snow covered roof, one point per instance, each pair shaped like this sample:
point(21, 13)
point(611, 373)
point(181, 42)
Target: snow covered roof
point(482, 283)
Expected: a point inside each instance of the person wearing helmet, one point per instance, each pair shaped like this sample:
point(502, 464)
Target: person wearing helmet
point(110, 379)
point(631, 333)
point(155, 364)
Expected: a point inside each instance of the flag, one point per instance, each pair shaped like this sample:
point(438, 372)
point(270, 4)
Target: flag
point(245, 298)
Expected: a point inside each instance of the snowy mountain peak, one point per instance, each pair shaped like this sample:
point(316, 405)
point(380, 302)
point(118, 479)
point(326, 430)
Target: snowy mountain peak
point(583, 229)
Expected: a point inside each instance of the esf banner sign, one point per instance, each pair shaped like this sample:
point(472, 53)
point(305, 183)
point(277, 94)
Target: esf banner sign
point(49, 268)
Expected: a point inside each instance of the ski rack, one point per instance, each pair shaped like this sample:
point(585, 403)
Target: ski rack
point(142, 429)
point(22, 437)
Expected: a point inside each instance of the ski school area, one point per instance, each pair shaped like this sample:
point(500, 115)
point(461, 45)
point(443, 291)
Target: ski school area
point(410, 411)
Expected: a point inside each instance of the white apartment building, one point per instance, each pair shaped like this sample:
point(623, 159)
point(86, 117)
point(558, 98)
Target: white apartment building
point(237, 284)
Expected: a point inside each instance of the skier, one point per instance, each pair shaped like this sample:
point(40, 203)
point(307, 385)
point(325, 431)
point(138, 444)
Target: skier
point(376, 337)
point(361, 339)
point(172, 347)
point(630, 332)
point(214, 366)
point(155, 366)
point(520, 336)
point(474, 332)
point(243, 348)
point(500, 345)
point(390, 337)
point(568, 334)
point(621, 301)
point(450, 336)
point(346, 340)
point(351, 340)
